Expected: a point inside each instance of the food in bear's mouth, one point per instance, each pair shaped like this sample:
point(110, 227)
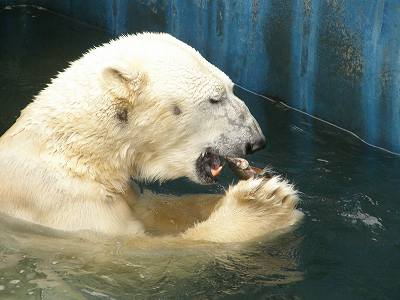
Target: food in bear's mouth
point(209, 167)
point(242, 169)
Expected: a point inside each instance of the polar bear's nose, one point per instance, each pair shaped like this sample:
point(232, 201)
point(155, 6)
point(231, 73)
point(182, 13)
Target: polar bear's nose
point(258, 144)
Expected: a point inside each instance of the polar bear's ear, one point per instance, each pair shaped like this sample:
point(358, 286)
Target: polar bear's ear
point(123, 84)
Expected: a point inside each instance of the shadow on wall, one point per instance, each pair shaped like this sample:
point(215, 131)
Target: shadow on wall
point(336, 59)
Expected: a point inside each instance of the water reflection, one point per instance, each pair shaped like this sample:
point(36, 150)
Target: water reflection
point(38, 261)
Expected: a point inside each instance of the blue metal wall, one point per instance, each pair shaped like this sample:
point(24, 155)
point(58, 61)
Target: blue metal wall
point(336, 59)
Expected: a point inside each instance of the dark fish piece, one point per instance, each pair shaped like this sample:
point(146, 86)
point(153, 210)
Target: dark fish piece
point(242, 169)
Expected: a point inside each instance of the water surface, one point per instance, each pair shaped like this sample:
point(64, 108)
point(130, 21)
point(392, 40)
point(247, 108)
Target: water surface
point(348, 246)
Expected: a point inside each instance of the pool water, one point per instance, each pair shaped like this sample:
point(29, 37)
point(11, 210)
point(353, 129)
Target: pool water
point(347, 247)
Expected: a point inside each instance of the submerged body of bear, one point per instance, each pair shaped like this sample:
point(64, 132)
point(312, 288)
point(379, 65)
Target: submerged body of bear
point(144, 106)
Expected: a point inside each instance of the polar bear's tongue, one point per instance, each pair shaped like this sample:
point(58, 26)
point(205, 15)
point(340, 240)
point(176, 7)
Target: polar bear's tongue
point(216, 170)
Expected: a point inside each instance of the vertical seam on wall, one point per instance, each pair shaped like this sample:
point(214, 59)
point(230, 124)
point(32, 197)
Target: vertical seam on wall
point(297, 48)
point(371, 74)
point(312, 57)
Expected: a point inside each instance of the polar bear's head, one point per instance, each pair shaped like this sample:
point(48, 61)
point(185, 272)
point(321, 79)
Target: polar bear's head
point(179, 111)
point(147, 106)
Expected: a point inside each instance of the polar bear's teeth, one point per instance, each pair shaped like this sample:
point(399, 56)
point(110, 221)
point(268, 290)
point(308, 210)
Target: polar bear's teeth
point(216, 172)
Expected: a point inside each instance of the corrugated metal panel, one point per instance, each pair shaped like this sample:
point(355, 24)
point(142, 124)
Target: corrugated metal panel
point(336, 59)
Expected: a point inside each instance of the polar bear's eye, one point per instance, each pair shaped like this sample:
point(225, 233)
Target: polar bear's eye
point(213, 100)
point(177, 111)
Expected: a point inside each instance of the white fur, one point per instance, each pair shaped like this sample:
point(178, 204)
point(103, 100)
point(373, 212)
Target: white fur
point(67, 161)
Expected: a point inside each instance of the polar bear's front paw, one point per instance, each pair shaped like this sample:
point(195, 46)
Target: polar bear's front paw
point(251, 208)
point(265, 193)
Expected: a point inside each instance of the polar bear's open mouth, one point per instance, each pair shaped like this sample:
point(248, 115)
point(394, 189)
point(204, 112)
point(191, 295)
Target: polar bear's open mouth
point(209, 166)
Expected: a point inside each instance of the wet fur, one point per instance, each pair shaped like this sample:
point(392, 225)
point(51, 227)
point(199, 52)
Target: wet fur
point(67, 161)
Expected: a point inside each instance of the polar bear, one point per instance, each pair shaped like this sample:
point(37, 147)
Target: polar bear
point(144, 106)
